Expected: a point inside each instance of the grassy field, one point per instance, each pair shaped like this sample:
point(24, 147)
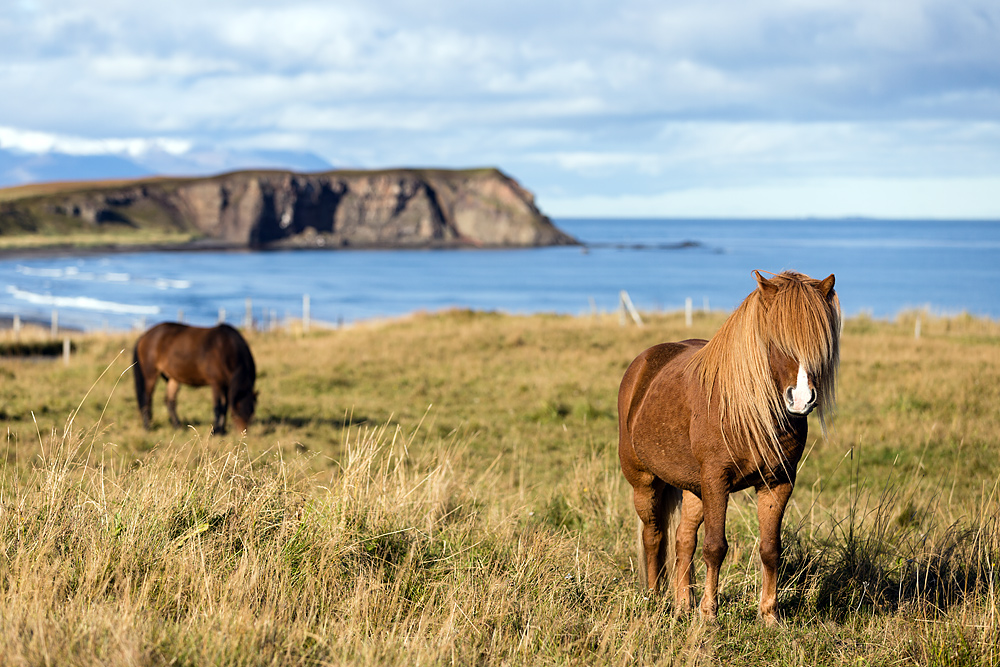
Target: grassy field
point(444, 489)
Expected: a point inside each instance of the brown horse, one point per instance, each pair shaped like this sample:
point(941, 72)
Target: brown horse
point(699, 420)
point(196, 356)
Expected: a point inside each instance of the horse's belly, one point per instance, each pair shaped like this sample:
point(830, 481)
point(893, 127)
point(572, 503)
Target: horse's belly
point(188, 376)
point(666, 452)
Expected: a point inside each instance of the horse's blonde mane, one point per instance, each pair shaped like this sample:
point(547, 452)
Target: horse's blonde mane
point(791, 312)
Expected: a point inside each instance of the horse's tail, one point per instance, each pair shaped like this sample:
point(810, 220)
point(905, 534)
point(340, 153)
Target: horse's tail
point(669, 516)
point(140, 381)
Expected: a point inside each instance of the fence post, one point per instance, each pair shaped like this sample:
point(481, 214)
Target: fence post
point(222, 315)
point(248, 318)
point(55, 324)
point(66, 351)
point(688, 312)
point(180, 315)
point(305, 313)
point(17, 328)
point(628, 307)
point(916, 329)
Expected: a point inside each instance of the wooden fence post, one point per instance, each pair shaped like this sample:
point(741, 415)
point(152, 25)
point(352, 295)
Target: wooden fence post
point(628, 307)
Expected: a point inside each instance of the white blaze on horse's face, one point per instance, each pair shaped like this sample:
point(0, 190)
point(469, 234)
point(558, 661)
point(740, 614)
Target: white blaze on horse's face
point(800, 399)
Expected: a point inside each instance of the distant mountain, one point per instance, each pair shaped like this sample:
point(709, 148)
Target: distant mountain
point(393, 208)
point(19, 168)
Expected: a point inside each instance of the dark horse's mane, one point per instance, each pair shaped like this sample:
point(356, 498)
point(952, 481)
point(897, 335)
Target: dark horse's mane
point(242, 382)
point(733, 366)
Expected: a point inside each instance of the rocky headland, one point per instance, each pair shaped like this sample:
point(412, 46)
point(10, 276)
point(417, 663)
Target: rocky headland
point(398, 208)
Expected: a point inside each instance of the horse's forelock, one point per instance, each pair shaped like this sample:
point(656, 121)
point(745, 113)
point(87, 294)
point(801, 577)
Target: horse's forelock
point(802, 322)
point(790, 312)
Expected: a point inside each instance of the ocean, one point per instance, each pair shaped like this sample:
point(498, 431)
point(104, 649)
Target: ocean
point(882, 268)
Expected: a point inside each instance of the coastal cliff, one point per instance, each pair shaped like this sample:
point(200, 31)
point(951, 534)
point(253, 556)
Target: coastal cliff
point(399, 208)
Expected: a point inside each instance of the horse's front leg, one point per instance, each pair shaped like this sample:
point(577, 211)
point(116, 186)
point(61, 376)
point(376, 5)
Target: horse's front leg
point(692, 514)
point(173, 386)
point(715, 502)
point(220, 404)
point(771, 502)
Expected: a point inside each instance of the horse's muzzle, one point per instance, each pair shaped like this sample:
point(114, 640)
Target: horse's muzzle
point(798, 403)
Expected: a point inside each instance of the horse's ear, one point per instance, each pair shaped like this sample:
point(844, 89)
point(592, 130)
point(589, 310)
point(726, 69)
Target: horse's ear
point(826, 286)
point(764, 284)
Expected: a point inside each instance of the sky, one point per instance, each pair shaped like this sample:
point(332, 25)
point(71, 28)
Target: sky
point(625, 108)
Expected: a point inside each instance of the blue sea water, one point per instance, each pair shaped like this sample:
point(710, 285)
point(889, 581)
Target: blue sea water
point(882, 268)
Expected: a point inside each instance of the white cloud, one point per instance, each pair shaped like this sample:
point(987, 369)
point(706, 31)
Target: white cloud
point(29, 141)
point(630, 98)
point(920, 198)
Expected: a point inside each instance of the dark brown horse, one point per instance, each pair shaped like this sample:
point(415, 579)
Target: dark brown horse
point(218, 357)
point(699, 420)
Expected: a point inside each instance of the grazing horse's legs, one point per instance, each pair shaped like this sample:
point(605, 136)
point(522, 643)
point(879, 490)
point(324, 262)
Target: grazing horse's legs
point(220, 403)
point(715, 499)
point(771, 504)
point(692, 515)
point(173, 386)
point(146, 409)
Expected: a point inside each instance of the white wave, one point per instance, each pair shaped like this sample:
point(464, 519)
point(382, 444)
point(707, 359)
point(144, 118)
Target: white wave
point(166, 283)
point(41, 273)
point(81, 303)
point(74, 273)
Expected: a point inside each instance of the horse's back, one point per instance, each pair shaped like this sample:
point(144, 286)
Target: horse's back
point(194, 355)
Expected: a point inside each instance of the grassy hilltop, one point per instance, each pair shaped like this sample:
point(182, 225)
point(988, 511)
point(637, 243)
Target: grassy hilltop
point(444, 489)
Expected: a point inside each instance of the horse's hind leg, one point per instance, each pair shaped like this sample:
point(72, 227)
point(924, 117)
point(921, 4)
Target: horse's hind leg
point(771, 504)
point(692, 514)
point(146, 402)
point(715, 501)
point(173, 386)
point(654, 502)
point(220, 404)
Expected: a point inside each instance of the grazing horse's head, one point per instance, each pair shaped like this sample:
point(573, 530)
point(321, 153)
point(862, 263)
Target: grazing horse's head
point(243, 408)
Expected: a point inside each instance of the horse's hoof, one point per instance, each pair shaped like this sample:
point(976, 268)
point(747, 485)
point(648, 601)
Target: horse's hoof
point(770, 621)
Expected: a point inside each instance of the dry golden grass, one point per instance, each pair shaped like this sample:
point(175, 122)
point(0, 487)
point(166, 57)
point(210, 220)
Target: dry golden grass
point(444, 489)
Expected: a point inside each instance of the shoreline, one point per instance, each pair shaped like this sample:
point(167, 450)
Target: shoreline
point(213, 245)
point(68, 250)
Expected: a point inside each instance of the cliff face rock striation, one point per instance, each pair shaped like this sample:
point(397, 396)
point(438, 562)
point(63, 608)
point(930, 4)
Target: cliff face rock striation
point(402, 208)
